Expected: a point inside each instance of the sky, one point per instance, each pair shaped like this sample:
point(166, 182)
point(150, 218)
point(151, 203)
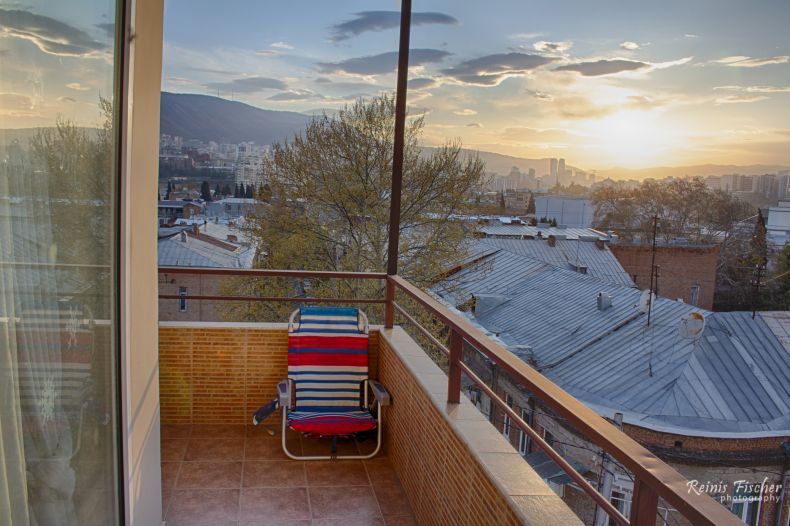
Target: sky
point(602, 84)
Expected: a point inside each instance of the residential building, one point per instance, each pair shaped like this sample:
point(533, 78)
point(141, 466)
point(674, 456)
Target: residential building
point(778, 224)
point(575, 212)
point(169, 211)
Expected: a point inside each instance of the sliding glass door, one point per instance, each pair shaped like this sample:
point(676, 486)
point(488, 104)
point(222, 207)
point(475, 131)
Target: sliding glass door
point(59, 446)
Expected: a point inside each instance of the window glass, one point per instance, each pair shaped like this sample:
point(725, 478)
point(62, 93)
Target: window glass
point(58, 184)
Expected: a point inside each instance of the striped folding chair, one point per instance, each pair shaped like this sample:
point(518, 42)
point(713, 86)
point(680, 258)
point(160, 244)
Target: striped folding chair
point(328, 378)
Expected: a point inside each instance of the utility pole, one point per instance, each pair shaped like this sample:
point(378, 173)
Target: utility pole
point(653, 274)
point(756, 282)
point(606, 482)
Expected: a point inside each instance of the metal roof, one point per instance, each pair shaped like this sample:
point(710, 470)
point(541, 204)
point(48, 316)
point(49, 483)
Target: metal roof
point(532, 231)
point(600, 263)
point(732, 381)
point(195, 252)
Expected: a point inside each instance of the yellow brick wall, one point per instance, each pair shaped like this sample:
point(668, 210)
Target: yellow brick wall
point(220, 375)
point(444, 482)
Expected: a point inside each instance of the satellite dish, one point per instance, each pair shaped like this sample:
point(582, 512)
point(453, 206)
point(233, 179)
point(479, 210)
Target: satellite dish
point(691, 325)
point(644, 301)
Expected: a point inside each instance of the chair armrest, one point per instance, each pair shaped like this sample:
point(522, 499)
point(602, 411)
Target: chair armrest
point(380, 392)
point(284, 393)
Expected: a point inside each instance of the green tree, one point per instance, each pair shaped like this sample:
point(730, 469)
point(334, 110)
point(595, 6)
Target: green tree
point(205, 191)
point(531, 204)
point(502, 203)
point(330, 204)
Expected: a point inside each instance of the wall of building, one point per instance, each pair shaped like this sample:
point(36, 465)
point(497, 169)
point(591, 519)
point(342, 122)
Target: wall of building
point(196, 285)
point(682, 267)
point(220, 373)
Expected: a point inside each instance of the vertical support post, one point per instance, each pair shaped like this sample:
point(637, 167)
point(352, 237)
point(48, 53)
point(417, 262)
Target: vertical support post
point(389, 307)
point(644, 505)
point(400, 129)
point(605, 489)
point(454, 374)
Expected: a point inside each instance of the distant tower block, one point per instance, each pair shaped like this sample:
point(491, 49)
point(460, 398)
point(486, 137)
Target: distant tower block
point(553, 169)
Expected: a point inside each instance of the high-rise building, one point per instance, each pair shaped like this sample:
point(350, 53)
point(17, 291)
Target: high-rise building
point(553, 170)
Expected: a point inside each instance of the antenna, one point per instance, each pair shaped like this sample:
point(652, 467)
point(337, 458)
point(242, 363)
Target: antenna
point(653, 273)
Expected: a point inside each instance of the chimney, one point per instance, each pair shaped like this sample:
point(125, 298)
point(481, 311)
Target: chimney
point(600, 245)
point(232, 238)
point(552, 240)
point(196, 229)
point(183, 237)
point(604, 301)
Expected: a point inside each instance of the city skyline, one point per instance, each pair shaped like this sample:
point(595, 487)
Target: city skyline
point(602, 86)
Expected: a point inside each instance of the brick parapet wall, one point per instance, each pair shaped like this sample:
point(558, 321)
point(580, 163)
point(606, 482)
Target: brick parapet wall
point(681, 268)
point(219, 373)
point(455, 467)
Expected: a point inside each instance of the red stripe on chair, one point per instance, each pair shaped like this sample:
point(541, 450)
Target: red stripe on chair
point(327, 342)
point(336, 359)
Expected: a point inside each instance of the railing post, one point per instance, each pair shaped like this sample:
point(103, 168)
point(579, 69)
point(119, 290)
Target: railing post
point(454, 373)
point(644, 505)
point(389, 307)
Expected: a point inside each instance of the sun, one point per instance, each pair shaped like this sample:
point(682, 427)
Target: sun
point(632, 138)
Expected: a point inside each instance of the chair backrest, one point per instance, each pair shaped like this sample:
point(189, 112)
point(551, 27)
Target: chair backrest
point(328, 358)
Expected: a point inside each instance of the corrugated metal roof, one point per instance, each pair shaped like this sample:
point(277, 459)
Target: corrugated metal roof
point(600, 263)
point(526, 230)
point(731, 381)
point(198, 253)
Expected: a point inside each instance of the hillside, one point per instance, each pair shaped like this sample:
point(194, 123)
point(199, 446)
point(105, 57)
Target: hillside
point(693, 171)
point(214, 119)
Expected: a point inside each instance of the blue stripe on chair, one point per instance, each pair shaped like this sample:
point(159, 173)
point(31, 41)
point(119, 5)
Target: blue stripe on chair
point(329, 311)
point(326, 390)
point(347, 373)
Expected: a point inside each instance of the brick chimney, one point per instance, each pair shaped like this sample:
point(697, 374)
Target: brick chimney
point(552, 240)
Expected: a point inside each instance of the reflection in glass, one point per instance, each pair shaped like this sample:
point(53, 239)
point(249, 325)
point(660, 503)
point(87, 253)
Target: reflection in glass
point(57, 296)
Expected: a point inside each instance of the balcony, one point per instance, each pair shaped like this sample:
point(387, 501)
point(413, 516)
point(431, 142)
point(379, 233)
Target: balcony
point(442, 461)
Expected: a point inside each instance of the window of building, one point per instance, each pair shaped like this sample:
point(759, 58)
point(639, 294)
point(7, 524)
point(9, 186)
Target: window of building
point(746, 504)
point(59, 335)
point(505, 418)
point(523, 438)
point(695, 295)
point(182, 301)
point(548, 437)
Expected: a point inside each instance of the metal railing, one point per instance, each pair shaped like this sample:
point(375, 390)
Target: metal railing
point(653, 478)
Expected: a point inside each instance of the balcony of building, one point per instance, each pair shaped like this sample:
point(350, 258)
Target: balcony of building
point(442, 461)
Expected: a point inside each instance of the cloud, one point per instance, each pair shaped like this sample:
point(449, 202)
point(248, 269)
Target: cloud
point(579, 107)
point(423, 83)
point(379, 20)
point(740, 99)
point(630, 46)
point(523, 134)
point(293, 95)
point(525, 36)
point(474, 125)
point(76, 86)
point(15, 102)
point(740, 61)
point(109, 29)
point(466, 112)
point(691, 35)
point(755, 89)
point(67, 99)
point(540, 95)
point(248, 85)
point(49, 35)
point(491, 70)
point(382, 63)
point(281, 45)
point(602, 67)
point(552, 47)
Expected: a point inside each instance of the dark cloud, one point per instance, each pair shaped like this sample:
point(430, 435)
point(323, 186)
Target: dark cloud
point(248, 85)
point(109, 29)
point(49, 35)
point(552, 48)
point(379, 20)
point(601, 67)
point(423, 83)
point(382, 63)
point(490, 70)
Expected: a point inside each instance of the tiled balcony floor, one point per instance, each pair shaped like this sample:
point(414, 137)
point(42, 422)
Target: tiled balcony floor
point(236, 475)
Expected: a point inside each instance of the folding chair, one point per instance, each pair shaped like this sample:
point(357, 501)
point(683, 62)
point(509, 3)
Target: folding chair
point(328, 379)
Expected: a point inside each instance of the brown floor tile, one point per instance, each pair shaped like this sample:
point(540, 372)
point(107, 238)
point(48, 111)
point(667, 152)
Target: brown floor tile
point(392, 499)
point(209, 475)
point(176, 430)
point(349, 521)
point(167, 496)
point(366, 447)
point(273, 473)
point(336, 473)
point(274, 504)
point(323, 446)
point(198, 507)
point(218, 430)
point(169, 474)
point(380, 471)
point(173, 449)
point(269, 448)
point(340, 502)
point(405, 520)
point(215, 449)
point(275, 522)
